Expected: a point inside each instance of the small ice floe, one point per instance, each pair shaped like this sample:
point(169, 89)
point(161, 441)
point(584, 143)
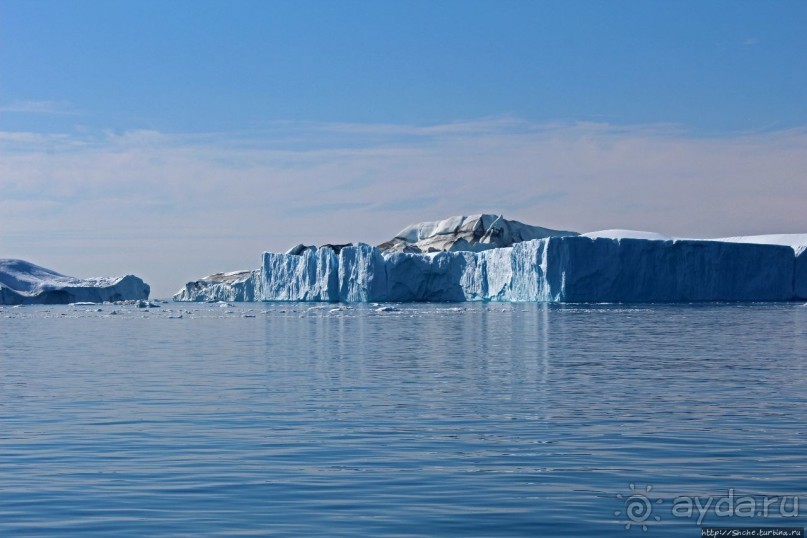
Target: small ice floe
point(146, 304)
point(178, 316)
point(82, 303)
point(113, 313)
point(222, 304)
point(387, 309)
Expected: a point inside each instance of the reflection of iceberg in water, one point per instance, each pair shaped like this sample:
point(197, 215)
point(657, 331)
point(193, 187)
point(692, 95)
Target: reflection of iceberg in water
point(544, 314)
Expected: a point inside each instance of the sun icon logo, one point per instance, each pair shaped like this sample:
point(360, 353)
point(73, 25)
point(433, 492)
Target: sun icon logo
point(638, 508)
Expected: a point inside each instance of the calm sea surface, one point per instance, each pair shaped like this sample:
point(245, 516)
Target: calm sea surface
point(432, 420)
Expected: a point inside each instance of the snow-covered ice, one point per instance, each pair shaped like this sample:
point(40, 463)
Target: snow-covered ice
point(627, 234)
point(461, 233)
point(22, 282)
point(798, 242)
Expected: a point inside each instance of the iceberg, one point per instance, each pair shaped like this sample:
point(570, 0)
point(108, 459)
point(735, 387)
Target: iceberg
point(488, 258)
point(555, 269)
point(22, 282)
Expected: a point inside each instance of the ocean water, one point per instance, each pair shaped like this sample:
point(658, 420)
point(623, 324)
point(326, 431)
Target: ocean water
point(428, 420)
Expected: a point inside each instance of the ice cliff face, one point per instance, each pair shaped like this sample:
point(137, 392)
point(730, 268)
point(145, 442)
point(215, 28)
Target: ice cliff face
point(800, 277)
point(555, 269)
point(22, 282)
point(233, 286)
point(473, 233)
point(798, 242)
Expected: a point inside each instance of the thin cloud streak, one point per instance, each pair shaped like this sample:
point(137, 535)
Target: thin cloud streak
point(48, 108)
point(180, 206)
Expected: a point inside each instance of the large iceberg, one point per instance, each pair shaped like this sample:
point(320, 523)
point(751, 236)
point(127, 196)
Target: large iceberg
point(553, 269)
point(22, 282)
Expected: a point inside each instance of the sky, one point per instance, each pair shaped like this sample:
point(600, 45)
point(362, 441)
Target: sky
point(176, 139)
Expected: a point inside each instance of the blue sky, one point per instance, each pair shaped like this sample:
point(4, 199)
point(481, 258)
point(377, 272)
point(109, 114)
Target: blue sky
point(190, 65)
point(179, 138)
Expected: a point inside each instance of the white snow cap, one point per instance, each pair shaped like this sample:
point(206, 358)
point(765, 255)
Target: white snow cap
point(797, 242)
point(466, 233)
point(627, 234)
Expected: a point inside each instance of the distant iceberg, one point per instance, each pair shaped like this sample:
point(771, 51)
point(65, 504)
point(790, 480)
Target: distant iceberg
point(22, 282)
point(610, 266)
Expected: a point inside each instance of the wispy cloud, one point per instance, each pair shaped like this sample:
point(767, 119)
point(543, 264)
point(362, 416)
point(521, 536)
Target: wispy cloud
point(175, 206)
point(50, 108)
